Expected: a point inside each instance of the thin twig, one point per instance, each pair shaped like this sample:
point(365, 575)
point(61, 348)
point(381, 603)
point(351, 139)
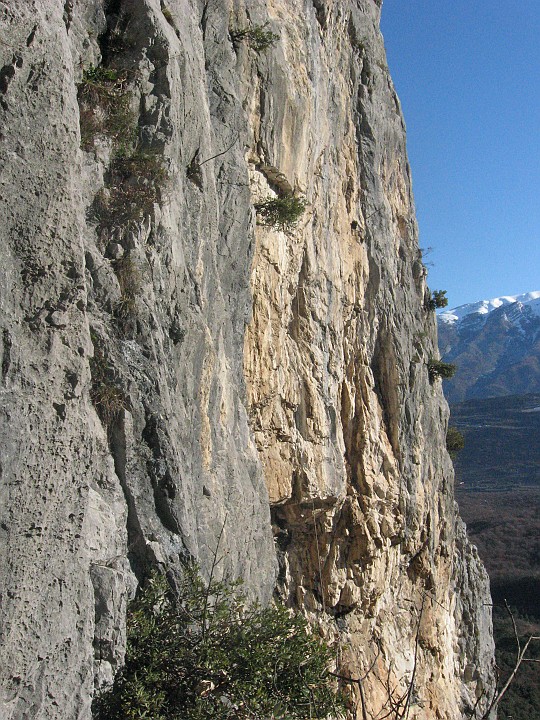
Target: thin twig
point(472, 713)
point(355, 681)
point(405, 713)
point(215, 562)
point(318, 554)
point(362, 701)
point(220, 153)
point(364, 676)
point(375, 212)
point(520, 657)
point(514, 626)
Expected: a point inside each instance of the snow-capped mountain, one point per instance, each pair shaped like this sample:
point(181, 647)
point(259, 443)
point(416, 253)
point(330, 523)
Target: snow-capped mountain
point(495, 345)
point(484, 307)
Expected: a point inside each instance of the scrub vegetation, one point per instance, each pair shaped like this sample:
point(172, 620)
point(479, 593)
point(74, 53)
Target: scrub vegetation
point(202, 651)
point(438, 369)
point(256, 36)
point(105, 106)
point(281, 213)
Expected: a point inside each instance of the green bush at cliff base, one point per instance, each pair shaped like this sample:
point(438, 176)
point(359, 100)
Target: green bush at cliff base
point(204, 652)
point(282, 213)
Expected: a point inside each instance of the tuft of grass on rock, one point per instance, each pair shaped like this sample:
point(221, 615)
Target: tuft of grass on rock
point(130, 281)
point(107, 397)
point(134, 185)
point(105, 106)
point(167, 14)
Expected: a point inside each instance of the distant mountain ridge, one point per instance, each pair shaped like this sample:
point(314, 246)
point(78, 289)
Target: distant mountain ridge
point(484, 307)
point(495, 345)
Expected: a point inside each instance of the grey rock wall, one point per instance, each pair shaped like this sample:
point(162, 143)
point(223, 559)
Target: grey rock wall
point(169, 374)
point(85, 508)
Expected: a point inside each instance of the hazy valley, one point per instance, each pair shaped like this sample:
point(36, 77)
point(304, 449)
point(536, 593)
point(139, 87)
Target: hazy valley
point(496, 347)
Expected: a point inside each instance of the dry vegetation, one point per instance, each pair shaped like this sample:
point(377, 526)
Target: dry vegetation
point(505, 526)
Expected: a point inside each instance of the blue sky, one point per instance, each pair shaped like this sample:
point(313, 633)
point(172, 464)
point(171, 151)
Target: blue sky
point(468, 76)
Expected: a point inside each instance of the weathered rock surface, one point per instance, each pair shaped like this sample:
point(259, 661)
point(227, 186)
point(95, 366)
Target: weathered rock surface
point(171, 375)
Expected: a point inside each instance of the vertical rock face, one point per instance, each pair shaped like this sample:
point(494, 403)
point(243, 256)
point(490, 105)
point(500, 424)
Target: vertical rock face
point(179, 381)
point(350, 432)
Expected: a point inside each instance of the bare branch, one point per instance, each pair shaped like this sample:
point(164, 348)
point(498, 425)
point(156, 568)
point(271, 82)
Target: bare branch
point(364, 676)
point(516, 635)
point(520, 657)
point(220, 153)
point(215, 562)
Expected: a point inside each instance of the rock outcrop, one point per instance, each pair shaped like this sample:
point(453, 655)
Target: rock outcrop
point(178, 380)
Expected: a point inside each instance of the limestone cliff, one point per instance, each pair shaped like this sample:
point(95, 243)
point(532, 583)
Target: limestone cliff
point(173, 372)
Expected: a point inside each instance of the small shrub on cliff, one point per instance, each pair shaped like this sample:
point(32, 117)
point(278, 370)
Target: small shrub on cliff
point(438, 369)
point(204, 652)
point(437, 300)
point(257, 37)
point(282, 213)
point(134, 184)
point(454, 441)
point(130, 281)
point(167, 14)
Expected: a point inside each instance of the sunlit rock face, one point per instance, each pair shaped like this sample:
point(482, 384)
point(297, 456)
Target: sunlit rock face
point(183, 382)
point(349, 430)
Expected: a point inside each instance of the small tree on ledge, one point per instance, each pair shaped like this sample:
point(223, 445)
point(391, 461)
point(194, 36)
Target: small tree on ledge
point(437, 300)
point(257, 37)
point(282, 213)
point(438, 369)
point(455, 442)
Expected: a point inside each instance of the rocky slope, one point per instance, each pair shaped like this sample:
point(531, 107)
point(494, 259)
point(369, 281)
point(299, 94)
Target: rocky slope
point(178, 379)
point(495, 345)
